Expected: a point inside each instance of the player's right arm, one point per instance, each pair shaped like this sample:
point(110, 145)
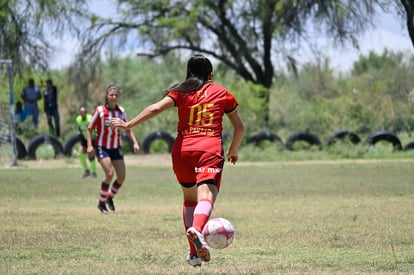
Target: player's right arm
point(146, 114)
point(89, 133)
point(90, 148)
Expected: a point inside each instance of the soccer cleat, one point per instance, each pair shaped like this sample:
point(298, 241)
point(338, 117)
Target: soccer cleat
point(86, 174)
point(193, 260)
point(102, 208)
point(111, 204)
point(93, 175)
point(203, 251)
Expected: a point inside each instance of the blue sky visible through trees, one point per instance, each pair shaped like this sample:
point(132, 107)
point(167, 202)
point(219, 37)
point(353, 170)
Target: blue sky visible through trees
point(389, 34)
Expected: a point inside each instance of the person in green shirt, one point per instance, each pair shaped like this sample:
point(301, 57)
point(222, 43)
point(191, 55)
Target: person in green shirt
point(82, 120)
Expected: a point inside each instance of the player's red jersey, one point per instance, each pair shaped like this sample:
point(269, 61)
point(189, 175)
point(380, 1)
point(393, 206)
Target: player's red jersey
point(106, 136)
point(200, 116)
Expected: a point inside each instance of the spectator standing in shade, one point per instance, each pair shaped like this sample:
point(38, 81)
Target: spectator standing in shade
point(31, 95)
point(51, 107)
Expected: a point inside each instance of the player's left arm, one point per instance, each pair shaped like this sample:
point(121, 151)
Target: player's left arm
point(232, 153)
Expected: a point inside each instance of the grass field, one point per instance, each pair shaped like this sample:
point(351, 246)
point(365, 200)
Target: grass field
point(297, 217)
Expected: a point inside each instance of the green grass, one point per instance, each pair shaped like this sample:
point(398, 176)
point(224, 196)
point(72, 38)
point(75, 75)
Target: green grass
point(290, 217)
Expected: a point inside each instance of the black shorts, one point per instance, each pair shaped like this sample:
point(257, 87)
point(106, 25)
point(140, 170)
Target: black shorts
point(114, 154)
point(83, 141)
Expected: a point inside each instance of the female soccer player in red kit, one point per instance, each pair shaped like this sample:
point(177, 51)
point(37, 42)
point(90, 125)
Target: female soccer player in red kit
point(108, 146)
point(197, 153)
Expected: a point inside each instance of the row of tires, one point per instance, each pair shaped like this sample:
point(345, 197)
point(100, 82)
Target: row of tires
point(71, 145)
point(306, 137)
point(342, 135)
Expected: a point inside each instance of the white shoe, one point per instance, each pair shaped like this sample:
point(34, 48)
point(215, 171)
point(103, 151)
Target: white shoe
point(203, 251)
point(193, 260)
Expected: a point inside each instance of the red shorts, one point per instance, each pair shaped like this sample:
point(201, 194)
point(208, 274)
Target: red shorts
point(197, 166)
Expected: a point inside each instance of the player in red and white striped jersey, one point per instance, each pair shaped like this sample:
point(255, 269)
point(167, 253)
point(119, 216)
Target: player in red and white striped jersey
point(108, 146)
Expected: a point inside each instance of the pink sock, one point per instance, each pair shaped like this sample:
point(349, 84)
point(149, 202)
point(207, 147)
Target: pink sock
point(202, 213)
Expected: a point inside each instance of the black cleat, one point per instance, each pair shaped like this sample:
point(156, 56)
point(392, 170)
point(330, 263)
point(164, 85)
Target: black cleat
point(86, 174)
point(102, 208)
point(111, 204)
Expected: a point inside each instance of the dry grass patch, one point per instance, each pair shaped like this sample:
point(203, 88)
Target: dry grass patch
point(290, 218)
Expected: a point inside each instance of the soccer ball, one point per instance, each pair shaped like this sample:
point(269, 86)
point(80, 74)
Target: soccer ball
point(218, 233)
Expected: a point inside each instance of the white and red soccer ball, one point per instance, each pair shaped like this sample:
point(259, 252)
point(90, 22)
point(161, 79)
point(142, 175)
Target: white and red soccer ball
point(218, 233)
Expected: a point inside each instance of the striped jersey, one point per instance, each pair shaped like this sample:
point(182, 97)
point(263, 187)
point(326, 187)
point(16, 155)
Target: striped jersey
point(106, 136)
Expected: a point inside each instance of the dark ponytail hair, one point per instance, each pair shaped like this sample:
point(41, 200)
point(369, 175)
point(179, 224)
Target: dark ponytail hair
point(199, 69)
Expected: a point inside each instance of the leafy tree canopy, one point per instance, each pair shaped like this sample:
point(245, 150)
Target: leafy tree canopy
point(27, 29)
point(248, 36)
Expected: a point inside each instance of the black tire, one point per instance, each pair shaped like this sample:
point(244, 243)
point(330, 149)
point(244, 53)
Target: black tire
point(70, 143)
point(44, 139)
point(343, 135)
point(409, 146)
point(20, 147)
point(262, 136)
point(307, 137)
point(146, 145)
point(384, 135)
